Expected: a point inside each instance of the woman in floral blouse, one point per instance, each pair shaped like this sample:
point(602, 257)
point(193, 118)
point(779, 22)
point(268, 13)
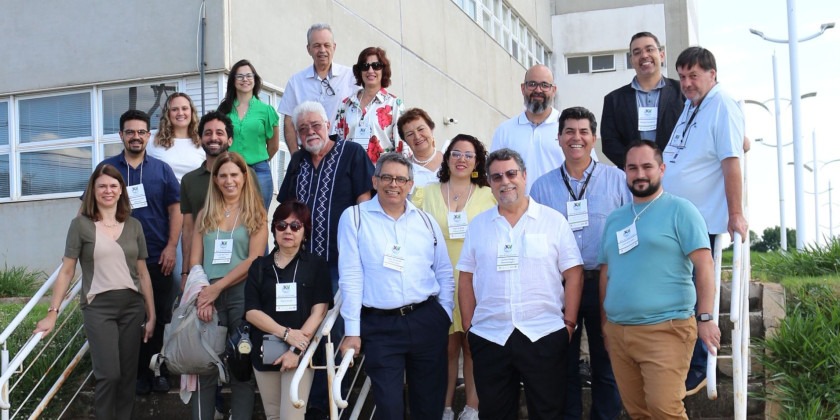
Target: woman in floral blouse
point(369, 117)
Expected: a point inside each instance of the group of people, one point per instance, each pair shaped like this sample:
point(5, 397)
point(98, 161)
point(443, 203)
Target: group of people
point(440, 254)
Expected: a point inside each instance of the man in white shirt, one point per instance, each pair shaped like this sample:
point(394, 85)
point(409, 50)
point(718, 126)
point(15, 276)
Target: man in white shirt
point(325, 82)
point(704, 161)
point(396, 281)
point(518, 315)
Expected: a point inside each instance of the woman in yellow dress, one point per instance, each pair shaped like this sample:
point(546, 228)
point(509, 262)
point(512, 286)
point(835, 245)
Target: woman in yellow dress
point(461, 194)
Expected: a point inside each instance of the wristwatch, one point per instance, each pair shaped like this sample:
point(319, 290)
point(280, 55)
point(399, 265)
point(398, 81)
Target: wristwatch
point(704, 317)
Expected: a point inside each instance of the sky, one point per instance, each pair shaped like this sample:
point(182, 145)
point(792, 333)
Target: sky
point(744, 64)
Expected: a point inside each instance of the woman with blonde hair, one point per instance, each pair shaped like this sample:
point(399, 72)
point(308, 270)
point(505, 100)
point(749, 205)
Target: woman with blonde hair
point(177, 141)
point(231, 233)
point(116, 297)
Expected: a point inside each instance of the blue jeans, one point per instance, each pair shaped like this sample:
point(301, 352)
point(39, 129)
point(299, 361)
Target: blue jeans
point(264, 180)
point(606, 402)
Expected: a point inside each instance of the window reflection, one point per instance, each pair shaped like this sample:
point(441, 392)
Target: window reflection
point(55, 171)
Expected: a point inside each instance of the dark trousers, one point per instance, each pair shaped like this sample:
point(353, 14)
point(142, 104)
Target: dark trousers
point(606, 402)
point(540, 365)
point(411, 347)
point(113, 327)
point(162, 292)
point(700, 355)
point(230, 306)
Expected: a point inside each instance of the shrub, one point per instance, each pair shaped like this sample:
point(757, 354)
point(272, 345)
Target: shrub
point(19, 281)
point(802, 360)
point(813, 261)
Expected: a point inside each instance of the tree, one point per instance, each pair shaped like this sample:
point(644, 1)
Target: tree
point(771, 239)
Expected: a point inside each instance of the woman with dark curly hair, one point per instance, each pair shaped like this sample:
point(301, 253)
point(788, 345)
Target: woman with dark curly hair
point(369, 117)
point(256, 125)
point(461, 194)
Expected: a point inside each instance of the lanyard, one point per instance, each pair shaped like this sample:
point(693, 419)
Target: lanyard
point(585, 182)
point(691, 119)
point(235, 219)
point(128, 173)
point(639, 214)
point(294, 275)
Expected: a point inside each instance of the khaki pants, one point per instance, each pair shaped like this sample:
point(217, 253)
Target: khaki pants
point(274, 391)
point(650, 363)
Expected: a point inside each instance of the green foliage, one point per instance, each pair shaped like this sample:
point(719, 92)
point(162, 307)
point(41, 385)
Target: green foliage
point(19, 282)
point(802, 360)
point(813, 261)
point(40, 367)
point(771, 239)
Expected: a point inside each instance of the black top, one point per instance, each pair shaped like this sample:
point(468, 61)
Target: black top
point(620, 119)
point(313, 287)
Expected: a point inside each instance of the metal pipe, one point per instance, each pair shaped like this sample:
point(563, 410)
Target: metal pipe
point(779, 158)
point(816, 188)
point(202, 64)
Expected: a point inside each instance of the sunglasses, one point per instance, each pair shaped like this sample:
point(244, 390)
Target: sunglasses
point(282, 225)
point(376, 66)
point(510, 174)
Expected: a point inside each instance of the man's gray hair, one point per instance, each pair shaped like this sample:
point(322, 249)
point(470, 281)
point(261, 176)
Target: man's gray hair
point(393, 157)
point(317, 27)
point(505, 154)
point(307, 107)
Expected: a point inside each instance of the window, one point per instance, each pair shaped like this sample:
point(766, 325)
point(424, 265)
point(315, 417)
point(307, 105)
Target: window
point(596, 63)
point(55, 117)
point(49, 143)
point(149, 99)
point(503, 25)
point(602, 63)
point(577, 65)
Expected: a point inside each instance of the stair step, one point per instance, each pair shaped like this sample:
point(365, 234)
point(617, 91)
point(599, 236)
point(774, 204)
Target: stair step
point(754, 299)
point(726, 326)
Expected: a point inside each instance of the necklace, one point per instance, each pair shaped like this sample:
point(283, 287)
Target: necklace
point(227, 212)
point(423, 162)
point(111, 225)
point(458, 195)
point(639, 214)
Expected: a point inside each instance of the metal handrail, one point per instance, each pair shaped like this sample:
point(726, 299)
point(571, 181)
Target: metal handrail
point(711, 361)
point(10, 368)
point(305, 361)
point(339, 376)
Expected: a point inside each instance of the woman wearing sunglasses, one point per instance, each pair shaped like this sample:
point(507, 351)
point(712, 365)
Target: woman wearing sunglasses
point(231, 232)
point(369, 117)
point(287, 296)
point(461, 194)
point(256, 125)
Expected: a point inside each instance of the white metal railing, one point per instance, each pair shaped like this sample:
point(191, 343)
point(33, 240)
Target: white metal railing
point(11, 367)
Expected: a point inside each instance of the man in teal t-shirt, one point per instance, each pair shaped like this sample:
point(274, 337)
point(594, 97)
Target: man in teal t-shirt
point(648, 251)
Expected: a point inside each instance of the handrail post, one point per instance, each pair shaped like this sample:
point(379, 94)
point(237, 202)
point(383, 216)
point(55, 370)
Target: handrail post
point(711, 360)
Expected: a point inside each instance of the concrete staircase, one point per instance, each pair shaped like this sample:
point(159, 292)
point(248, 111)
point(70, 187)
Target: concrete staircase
point(766, 309)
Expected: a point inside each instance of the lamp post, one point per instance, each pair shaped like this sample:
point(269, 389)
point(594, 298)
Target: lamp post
point(779, 145)
point(817, 193)
point(793, 46)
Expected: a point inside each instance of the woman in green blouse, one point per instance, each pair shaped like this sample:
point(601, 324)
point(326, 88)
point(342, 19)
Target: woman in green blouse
point(256, 125)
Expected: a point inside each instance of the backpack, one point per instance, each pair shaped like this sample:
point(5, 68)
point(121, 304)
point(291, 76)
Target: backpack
point(190, 346)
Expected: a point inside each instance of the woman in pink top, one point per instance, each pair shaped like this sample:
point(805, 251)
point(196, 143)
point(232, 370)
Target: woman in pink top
point(116, 298)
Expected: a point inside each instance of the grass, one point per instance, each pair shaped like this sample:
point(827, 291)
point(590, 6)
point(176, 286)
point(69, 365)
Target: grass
point(19, 281)
point(802, 361)
point(40, 368)
point(812, 262)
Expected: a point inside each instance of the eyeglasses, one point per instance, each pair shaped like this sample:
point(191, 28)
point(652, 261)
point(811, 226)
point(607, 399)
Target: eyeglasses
point(388, 179)
point(533, 85)
point(244, 76)
point(376, 66)
point(649, 49)
point(131, 133)
point(304, 128)
point(327, 88)
point(282, 225)
point(458, 155)
point(509, 174)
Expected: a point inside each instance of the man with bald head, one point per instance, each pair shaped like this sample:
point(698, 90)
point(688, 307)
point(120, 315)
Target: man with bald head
point(533, 133)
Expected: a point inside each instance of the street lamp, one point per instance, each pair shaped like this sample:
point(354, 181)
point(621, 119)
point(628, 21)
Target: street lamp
point(793, 46)
point(779, 145)
point(816, 170)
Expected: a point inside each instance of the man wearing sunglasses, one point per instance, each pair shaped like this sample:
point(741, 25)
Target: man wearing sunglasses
point(518, 314)
point(533, 133)
point(324, 82)
point(398, 290)
point(154, 193)
point(585, 192)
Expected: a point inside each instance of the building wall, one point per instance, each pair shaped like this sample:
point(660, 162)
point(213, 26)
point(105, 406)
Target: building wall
point(442, 61)
point(615, 22)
